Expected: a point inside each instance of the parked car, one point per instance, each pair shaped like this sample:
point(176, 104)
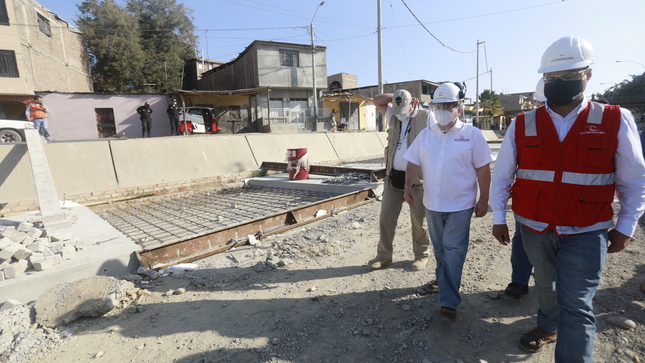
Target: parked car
point(195, 120)
point(13, 130)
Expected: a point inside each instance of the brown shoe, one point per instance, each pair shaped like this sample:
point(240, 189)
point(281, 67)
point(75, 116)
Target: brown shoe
point(449, 313)
point(379, 262)
point(643, 287)
point(536, 338)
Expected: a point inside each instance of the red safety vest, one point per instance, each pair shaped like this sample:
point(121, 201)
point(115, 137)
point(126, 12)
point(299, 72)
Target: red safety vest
point(37, 111)
point(568, 184)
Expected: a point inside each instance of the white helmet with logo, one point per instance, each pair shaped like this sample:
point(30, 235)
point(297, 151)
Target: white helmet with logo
point(566, 53)
point(449, 92)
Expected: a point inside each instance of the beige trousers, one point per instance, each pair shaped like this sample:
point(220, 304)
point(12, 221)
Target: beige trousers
point(391, 205)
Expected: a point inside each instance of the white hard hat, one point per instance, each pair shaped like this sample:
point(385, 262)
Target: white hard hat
point(449, 92)
point(539, 91)
point(566, 53)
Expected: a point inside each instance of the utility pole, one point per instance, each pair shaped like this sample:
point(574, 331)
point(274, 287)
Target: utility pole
point(380, 59)
point(477, 87)
point(313, 69)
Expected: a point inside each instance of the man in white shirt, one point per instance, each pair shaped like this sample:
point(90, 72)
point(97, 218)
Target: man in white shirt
point(562, 164)
point(454, 158)
point(405, 122)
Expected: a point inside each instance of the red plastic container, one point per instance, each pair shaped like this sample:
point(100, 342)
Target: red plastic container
point(298, 164)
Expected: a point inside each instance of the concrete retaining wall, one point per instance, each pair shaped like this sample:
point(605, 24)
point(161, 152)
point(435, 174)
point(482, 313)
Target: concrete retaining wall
point(102, 170)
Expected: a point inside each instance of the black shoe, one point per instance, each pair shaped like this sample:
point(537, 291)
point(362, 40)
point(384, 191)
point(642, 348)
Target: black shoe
point(516, 290)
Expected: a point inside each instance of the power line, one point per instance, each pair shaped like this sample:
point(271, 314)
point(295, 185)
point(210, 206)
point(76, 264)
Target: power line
point(429, 32)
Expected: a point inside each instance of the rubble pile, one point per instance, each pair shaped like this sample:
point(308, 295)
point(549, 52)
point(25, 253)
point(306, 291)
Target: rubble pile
point(33, 247)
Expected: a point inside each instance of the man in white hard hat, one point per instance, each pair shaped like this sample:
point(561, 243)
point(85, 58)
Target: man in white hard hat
point(405, 121)
point(454, 158)
point(562, 165)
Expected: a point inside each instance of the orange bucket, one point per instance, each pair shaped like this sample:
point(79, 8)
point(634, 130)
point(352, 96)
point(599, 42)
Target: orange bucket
point(298, 164)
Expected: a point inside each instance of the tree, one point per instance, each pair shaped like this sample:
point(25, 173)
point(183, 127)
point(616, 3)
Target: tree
point(490, 103)
point(112, 36)
point(139, 48)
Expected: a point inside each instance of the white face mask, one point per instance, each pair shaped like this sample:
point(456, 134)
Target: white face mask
point(443, 117)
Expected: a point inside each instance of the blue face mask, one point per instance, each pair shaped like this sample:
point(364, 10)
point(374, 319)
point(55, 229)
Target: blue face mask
point(562, 93)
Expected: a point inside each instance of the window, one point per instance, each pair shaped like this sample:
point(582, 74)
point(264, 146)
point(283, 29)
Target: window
point(289, 58)
point(4, 16)
point(43, 24)
point(8, 65)
point(105, 122)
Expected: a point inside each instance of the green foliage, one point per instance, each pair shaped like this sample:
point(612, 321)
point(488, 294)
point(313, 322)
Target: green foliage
point(625, 91)
point(258, 173)
point(145, 42)
point(489, 101)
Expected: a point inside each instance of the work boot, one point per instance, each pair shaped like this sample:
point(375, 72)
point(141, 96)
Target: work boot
point(516, 290)
point(448, 313)
point(535, 339)
point(419, 264)
point(379, 262)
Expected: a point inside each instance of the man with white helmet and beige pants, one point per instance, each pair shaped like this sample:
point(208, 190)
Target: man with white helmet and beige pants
point(562, 164)
point(405, 121)
point(454, 158)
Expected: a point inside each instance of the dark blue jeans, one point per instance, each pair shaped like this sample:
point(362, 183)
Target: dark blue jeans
point(519, 260)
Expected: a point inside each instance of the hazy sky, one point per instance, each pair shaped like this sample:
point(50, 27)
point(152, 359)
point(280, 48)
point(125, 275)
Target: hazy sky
point(515, 34)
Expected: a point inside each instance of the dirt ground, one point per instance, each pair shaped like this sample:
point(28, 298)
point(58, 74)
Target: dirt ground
point(308, 296)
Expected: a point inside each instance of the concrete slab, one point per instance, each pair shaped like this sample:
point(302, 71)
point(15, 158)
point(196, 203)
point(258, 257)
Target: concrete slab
point(314, 183)
point(353, 145)
point(107, 252)
point(270, 147)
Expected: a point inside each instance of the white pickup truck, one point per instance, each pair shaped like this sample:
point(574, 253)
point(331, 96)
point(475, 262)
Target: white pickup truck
point(13, 130)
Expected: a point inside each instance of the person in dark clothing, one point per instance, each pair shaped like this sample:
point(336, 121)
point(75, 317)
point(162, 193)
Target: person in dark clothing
point(145, 113)
point(173, 114)
point(207, 114)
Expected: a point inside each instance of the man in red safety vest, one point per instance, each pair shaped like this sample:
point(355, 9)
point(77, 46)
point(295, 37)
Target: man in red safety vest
point(562, 164)
point(38, 113)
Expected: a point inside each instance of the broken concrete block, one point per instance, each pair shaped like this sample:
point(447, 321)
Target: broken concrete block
point(35, 257)
point(46, 232)
point(79, 245)
point(15, 269)
point(60, 236)
point(47, 252)
point(14, 235)
point(28, 240)
point(42, 265)
point(55, 247)
point(67, 252)
point(38, 246)
point(8, 252)
point(5, 242)
point(10, 304)
point(92, 297)
point(1, 275)
point(34, 233)
point(56, 259)
point(25, 226)
point(22, 254)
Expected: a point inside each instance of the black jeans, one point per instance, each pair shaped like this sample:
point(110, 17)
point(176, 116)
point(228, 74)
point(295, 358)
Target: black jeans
point(146, 124)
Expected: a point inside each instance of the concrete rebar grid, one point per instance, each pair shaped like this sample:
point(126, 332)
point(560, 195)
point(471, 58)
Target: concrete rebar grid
point(155, 223)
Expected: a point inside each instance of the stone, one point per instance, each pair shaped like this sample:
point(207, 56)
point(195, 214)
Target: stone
point(56, 259)
point(67, 252)
point(9, 304)
point(36, 257)
point(14, 235)
point(5, 242)
point(1, 275)
point(42, 265)
point(34, 233)
point(55, 247)
point(15, 269)
point(27, 240)
point(79, 245)
point(90, 297)
point(22, 254)
point(25, 226)
point(621, 321)
point(38, 246)
point(8, 252)
point(47, 252)
point(46, 232)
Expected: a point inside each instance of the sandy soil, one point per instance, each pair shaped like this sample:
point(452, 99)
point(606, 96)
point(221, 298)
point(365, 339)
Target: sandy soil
point(308, 296)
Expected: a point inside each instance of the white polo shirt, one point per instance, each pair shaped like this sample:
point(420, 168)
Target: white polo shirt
point(449, 162)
